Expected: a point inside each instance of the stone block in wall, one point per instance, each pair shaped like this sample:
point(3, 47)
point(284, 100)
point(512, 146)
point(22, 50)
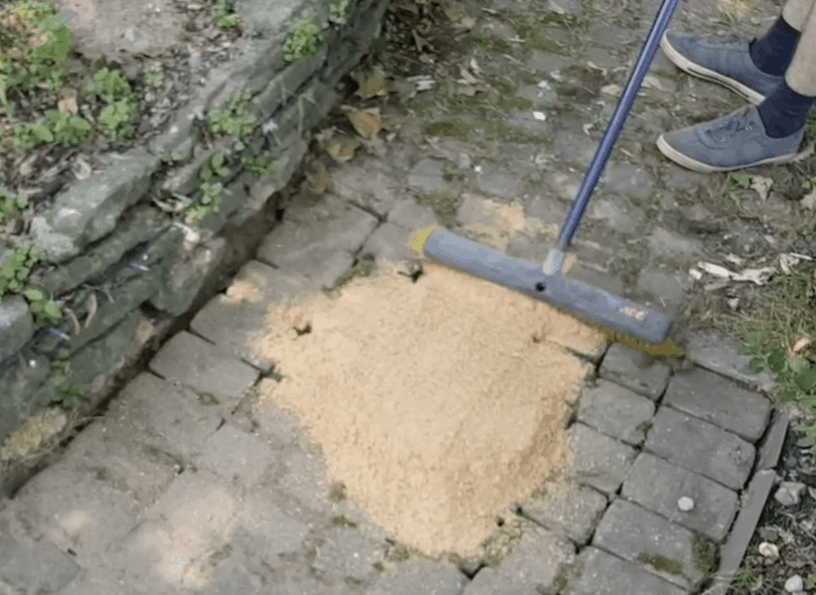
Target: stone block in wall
point(185, 179)
point(130, 289)
point(98, 362)
point(137, 226)
point(89, 209)
point(260, 191)
point(19, 378)
point(184, 279)
point(233, 197)
point(16, 325)
point(281, 90)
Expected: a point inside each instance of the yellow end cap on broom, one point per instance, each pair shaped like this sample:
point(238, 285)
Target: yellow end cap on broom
point(420, 238)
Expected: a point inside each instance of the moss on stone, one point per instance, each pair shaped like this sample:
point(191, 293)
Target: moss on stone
point(661, 563)
point(706, 554)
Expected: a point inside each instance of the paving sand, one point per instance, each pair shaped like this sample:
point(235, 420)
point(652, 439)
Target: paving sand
point(436, 403)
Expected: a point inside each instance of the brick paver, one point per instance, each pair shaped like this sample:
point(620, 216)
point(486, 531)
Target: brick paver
point(566, 508)
point(598, 460)
point(191, 361)
point(720, 401)
point(701, 447)
point(616, 411)
point(536, 560)
point(636, 534)
point(657, 485)
point(232, 319)
point(627, 367)
point(600, 573)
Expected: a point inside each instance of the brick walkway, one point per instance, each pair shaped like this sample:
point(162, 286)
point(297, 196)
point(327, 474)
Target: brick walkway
point(182, 487)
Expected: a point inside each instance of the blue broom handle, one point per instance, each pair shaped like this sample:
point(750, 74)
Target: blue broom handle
point(610, 137)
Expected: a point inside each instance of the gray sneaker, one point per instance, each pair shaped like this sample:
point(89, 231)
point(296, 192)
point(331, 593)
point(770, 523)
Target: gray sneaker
point(727, 63)
point(732, 142)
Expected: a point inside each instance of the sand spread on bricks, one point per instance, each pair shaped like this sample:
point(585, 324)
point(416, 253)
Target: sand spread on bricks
point(432, 402)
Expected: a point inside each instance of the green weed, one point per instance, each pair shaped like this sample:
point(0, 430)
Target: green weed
point(235, 120)
point(30, 136)
point(260, 167)
point(45, 311)
point(743, 579)
point(68, 130)
point(67, 396)
point(303, 41)
point(740, 180)
point(338, 11)
point(43, 65)
point(16, 267)
point(115, 120)
point(214, 169)
point(782, 315)
point(110, 85)
point(222, 15)
point(154, 77)
point(10, 203)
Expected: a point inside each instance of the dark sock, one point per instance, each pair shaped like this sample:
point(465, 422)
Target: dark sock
point(784, 112)
point(774, 52)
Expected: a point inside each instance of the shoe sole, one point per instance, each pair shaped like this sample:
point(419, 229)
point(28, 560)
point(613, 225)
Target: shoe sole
point(686, 65)
point(704, 168)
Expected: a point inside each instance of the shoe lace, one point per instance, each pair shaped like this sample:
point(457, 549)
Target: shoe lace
point(730, 128)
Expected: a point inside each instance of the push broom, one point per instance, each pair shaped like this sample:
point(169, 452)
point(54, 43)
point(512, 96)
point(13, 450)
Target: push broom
point(547, 282)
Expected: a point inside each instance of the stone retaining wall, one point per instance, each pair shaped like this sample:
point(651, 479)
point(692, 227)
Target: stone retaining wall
point(113, 252)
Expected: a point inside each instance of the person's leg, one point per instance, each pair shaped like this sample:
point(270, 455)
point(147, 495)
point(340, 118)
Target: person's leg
point(769, 133)
point(801, 74)
point(785, 111)
point(796, 12)
point(750, 68)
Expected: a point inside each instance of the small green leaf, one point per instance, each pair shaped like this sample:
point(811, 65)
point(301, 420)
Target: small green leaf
point(806, 380)
point(741, 180)
point(777, 360)
point(34, 295)
point(52, 309)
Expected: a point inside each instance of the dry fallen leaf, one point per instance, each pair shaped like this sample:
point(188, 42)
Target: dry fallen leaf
point(367, 122)
point(81, 169)
point(611, 90)
point(786, 261)
point(762, 186)
point(68, 104)
point(652, 82)
point(467, 90)
point(715, 269)
point(372, 83)
point(93, 306)
point(342, 148)
point(756, 276)
point(27, 166)
point(801, 344)
point(467, 78)
point(318, 178)
point(72, 317)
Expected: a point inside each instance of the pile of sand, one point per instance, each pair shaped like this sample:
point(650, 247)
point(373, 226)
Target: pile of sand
point(436, 403)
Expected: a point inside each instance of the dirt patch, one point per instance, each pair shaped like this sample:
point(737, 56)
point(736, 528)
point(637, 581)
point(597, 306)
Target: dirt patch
point(436, 403)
